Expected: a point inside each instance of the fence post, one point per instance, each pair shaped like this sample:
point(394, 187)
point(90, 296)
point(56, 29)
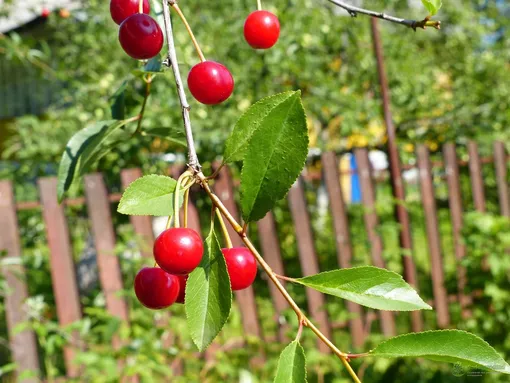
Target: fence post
point(22, 344)
point(308, 258)
point(270, 249)
point(63, 273)
point(397, 183)
point(455, 203)
point(223, 188)
point(104, 238)
point(475, 172)
point(343, 238)
point(501, 173)
point(371, 223)
point(434, 241)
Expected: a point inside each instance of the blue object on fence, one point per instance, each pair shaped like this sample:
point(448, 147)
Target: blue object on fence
point(355, 186)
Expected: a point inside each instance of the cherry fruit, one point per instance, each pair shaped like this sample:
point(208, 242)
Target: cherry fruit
point(261, 29)
point(155, 288)
point(178, 250)
point(45, 12)
point(210, 82)
point(183, 279)
point(241, 267)
point(122, 9)
point(140, 36)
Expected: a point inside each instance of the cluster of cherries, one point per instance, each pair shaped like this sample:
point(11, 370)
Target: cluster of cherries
point(208, 81)
point(177, 252)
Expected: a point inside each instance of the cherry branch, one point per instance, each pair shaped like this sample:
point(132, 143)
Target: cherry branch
point(171, 61)
point(194, 166)
point(414, 24)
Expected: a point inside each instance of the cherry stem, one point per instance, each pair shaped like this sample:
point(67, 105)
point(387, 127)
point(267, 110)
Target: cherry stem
point(169, 221)
point(181, 178)
point(224, 230)
point(284, 278)
point(186, 199)
point(300, 329)
point(188, 28)
point(356, 356)
point(140, 6)
point(259, 5)
point(272, 275)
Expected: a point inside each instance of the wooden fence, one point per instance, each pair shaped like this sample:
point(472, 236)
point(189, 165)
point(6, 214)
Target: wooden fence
point(23, 344)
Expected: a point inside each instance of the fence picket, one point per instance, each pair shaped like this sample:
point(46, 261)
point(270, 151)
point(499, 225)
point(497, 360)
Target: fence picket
point(455, 203)
point(22, 344)
point(501, 178)
point(308, 258)
point(63, 272)
point(433, 239)
point(371, 223)
point(270, 249)
point(246, 298)
point(343, 238)
point(476, 175)
point(104, 239)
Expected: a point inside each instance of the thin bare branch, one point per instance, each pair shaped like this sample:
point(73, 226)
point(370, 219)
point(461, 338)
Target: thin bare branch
point(171, 61)
point(353, 11)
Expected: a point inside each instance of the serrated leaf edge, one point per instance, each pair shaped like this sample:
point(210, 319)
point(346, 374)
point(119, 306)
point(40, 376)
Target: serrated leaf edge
point(298, 92)
point(371, 352)
point(119, 207)
point(428, 307)
point(290, 92)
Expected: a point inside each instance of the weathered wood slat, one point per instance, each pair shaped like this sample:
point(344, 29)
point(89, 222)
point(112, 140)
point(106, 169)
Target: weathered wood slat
point(308, 258)
point(63, 272)
point(371, 224)
point(501, 178)
point(433, 239)
point(343, 238)
point(104, 239)
point(23, 344)
point(455, 203)
point(270, 249)
point(246, 298)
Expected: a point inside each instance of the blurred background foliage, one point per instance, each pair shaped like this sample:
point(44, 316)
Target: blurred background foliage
point(58, 74)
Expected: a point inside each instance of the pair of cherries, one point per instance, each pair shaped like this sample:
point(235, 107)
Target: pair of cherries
point(178, 251)
point(209, 82)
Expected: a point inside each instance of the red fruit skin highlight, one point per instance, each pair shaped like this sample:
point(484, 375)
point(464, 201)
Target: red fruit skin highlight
point(178, 251)
point(156, 289)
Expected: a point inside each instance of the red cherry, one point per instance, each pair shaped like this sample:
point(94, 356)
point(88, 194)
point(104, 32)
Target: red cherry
point(140, 36)
point(178, 251)
point(210, 82)
point(45, 12)
point(261, 29)
point(241, 266)
point(122, 9)
point(183, 279)
point(155, 288)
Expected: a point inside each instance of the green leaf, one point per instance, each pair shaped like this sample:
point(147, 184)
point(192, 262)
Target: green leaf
point(208, 295)
point(117, 101)
point(82, 150)
point(369, 286)
point(451, 346)
point(291, 365)
point(432, 6)
point(256, 115)
point(149, 195)
point(172, 134)
point(152, 66)
point(274, 158)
